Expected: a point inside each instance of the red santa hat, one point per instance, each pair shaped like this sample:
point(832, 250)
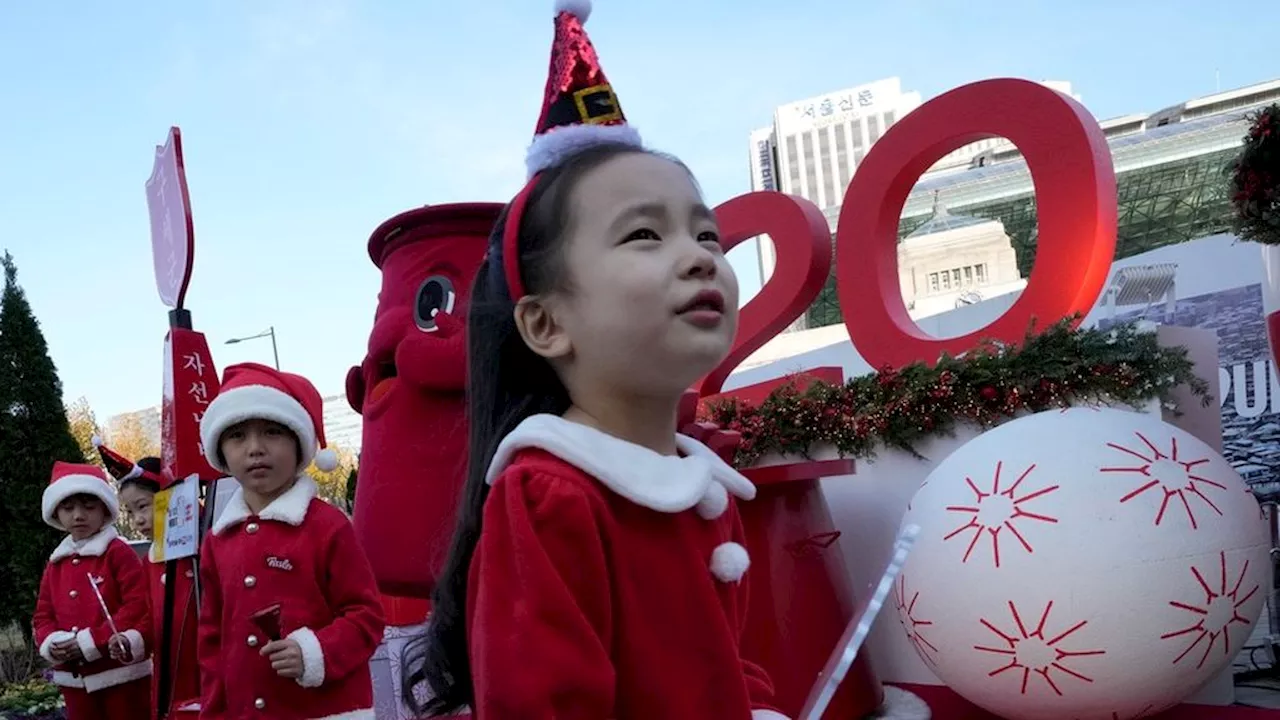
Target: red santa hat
point(121, 468)
point(251, 391)
point(579, 110)
point(579, 107)
point(77, 479)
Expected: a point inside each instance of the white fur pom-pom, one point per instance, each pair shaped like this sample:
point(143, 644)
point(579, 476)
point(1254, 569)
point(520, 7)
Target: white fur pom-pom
point(729, 562)
point(714, 501)
point(326, 460)
point(901, 705)
point(580, 9)
point(96, 441)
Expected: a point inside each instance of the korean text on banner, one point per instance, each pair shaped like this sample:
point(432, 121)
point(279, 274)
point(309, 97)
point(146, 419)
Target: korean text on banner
point(190, 384)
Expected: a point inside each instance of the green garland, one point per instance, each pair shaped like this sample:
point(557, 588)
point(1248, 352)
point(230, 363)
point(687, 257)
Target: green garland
point(1059, 367)
point(1255, 180)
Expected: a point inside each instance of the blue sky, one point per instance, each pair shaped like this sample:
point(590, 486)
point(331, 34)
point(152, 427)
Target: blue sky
point(309, 122)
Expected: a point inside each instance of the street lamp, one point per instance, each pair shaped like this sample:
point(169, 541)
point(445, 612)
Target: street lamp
point(269, 332)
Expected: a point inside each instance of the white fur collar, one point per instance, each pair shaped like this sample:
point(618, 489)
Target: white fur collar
point(659, 482)
point(289, 508)
point(92, 546)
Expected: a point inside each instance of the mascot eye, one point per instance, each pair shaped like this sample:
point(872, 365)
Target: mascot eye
point(435, 295)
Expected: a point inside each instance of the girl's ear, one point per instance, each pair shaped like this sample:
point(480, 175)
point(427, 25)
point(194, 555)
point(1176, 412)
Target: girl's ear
point(541, 331)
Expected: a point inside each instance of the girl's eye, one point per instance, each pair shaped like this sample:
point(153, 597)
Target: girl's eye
point(709, 237)
point(643, 234)
point(273, 431)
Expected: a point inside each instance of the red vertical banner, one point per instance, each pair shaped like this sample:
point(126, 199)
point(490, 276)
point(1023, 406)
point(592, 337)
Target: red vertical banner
point(190, 384)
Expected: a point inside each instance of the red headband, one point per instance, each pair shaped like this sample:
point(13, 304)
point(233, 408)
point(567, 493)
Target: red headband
point(511, 241)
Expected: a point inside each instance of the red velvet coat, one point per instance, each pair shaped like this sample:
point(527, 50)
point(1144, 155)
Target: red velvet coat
point(185, 673)
point(302, 553)
point(608, 582)
point(68, 608)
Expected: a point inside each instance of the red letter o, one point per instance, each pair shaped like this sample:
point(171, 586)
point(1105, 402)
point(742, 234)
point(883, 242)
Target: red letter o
point(1075, 185)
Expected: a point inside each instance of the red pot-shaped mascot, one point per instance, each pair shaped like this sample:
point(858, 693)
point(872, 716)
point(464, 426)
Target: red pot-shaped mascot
point(410, 391)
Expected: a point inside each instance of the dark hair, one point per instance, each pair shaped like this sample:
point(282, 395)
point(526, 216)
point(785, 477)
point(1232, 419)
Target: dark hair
point(297, 441)
point(506, 383)
point(152, 465)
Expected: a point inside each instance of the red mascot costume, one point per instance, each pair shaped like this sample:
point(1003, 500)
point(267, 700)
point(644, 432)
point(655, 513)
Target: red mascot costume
point(409, 390)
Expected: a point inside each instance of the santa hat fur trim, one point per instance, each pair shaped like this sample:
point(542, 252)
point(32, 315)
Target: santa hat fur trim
point(75, 479)
point(259, 402)
point(552, 147)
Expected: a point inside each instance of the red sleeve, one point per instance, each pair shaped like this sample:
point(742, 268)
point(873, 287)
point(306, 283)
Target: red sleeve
point(213, 698)
point(759, 686)
point(44, 623)
point(539, 604)
point(345, 645)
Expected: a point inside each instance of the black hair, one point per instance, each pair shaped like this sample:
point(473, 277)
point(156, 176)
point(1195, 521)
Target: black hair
point(506, 383)
point(297, 441)
point(152, 465)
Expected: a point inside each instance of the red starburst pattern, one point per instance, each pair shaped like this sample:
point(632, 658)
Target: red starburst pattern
point(996, 511)
point(1215, 615)
point(915, 627)
point(1171, 475)
point(1035, 653)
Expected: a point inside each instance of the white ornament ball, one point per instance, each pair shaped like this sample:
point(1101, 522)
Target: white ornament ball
point(1083, 564)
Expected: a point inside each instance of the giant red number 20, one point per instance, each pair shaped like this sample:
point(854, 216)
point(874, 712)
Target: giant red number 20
point(1076, 203)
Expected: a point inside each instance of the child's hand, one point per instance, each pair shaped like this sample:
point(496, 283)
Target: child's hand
point(285, 656)
point(57, 653)
point(119, 649)
point(67, 651)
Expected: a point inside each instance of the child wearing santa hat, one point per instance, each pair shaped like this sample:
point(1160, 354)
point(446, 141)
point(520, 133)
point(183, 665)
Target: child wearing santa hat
point(290, 614)
point(597, 569)
point(99, 653)
point(137, 484)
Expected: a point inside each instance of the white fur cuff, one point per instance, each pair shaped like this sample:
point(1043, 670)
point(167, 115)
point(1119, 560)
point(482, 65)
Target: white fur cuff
point(84, 639)
point(57, 636)
point(137, 647)
point(312, 657)
point(767, 715)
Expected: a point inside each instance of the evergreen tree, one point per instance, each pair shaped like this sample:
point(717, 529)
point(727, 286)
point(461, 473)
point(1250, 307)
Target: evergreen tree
point(34, 432)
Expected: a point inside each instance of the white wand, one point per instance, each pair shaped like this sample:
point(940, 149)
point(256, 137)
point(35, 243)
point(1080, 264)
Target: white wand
point(102, 603)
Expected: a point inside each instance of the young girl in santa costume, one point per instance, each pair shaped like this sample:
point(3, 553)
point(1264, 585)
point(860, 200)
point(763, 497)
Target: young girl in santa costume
point(290, 613)
point(100, 660)
point(138, 484)
point(597, 570)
